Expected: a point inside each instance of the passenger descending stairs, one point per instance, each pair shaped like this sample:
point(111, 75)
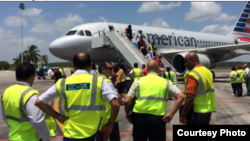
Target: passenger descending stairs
point(128, 51)
point(164, 61)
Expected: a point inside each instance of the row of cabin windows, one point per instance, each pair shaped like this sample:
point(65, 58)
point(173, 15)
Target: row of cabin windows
point(208, 42)
point(79, 32)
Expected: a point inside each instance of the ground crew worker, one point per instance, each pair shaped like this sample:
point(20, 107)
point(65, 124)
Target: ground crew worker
point(135, 73)
point(17, 107)
point(239, 80)
point(84, 105)
point(62, 71)
point(170, 75)
point(149, 111)
point(94, 71)
point(105, 69)
point(232, 78)
point(247, 79)
point(199, 91)
point(72, 71)
point(153, 48)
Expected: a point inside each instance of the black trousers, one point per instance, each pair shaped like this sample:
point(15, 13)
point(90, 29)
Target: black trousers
point(200, 119)
point(147, 126)
point(234, 87)
point(86, 139)
point(239, 89)
point(114, 135)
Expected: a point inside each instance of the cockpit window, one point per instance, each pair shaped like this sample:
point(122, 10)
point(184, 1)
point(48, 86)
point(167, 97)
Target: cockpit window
point(80, 32)
point(71, 33)
point(88, 33)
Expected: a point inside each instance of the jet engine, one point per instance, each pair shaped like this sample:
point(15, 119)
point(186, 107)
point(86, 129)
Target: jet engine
point(178, 62)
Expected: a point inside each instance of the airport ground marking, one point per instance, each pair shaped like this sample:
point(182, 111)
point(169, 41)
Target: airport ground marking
point(56, 108)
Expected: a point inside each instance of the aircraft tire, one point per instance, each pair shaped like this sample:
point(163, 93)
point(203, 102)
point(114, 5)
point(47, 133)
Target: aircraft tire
point(38, 77)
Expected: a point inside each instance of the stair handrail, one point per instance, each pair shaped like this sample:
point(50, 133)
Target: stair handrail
point(132, 43)
point(158, 54)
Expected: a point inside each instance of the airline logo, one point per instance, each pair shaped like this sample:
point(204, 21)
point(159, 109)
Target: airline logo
point(242, 28)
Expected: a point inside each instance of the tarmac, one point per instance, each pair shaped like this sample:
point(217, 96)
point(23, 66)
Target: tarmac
point(231, 110)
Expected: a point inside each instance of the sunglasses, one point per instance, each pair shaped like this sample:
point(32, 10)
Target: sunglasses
point(109, 68)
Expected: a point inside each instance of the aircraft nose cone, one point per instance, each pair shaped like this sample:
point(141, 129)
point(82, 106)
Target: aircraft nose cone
point(56, 47)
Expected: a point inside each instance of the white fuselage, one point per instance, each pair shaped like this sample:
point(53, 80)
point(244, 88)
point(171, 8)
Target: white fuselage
point(164, 39)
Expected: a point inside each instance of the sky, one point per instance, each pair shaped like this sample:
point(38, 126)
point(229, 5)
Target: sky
point(43, 22)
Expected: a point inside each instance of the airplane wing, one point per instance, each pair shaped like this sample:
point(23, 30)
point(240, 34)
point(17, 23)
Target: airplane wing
point(217, 49)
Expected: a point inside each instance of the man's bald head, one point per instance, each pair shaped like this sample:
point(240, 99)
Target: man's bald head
point(191, 59)
point(245, 66)
point(81, 61)
point(152, 66)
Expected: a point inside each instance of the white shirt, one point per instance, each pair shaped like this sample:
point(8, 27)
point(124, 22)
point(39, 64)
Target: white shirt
point(246, 72)
point(52, 94)
point(50, 73)
point(110, 84)
point(93, 72)
point(138, 37)
point(35, 115)
point(173, 89)
point(149, 56)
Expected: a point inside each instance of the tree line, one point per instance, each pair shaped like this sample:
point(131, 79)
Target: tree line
point(31, 55)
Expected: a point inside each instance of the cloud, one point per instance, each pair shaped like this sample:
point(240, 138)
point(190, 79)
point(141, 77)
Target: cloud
point(43, 28)
point(101, 19)
point(225, 18)
point(154, 6)
point(11, 45)
point(159, 22)
point(64, 24)
point(80, 5)
point(14, 21)
point(28, 41)
point(217, 29)
point(201, 11)
point(31, 12)
point(145, 24)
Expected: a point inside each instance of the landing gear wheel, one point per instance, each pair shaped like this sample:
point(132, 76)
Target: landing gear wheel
point(44, 77)
point(213, 75)
point(38, 77)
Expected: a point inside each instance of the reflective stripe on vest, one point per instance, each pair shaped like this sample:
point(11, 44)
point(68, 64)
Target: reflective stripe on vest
point(204, 100)
point(136, 73)
point(24, 117)
point(201, 92)
point(151, 95)
point(91, 107)
point(151, 98)
point(21, 128)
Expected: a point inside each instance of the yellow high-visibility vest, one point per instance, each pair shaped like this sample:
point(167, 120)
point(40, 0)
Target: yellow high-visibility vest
point(83, 104)
point(204, 100)
point(16, 115)
point(152, 94)
point(136, 73)
point(108, 109)
point(240, 77)
point(231, 79)
point(62, 72)
point(171, 77)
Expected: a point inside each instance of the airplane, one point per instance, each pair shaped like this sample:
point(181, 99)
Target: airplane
point(172, 44)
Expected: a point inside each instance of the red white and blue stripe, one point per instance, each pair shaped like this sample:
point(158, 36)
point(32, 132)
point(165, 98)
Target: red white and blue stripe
point(242, 27)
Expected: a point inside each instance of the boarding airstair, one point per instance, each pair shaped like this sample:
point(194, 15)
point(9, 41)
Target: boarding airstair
point(164, 61)
point(125, 48)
